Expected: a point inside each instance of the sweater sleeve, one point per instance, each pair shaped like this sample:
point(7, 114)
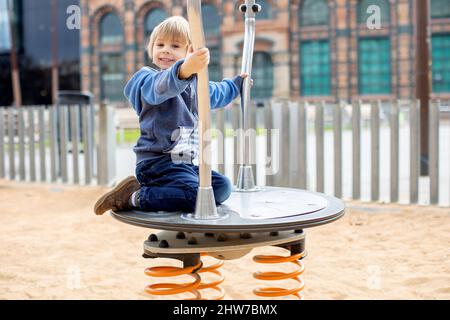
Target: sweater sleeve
point(155, 87)
point(224, 92)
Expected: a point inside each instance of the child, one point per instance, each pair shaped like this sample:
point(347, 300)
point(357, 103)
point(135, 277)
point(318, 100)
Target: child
point(165, 101)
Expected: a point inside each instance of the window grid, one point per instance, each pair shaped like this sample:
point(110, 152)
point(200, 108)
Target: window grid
point(262, 74)
point(112, 78)
point(374, 66)
point(315, 68)
point(441, 66)
point(314, 13)
point(111, 29)
point(440, 9)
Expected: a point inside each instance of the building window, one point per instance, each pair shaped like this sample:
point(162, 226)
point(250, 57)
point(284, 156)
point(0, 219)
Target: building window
point(313, 13)
point(152, 19)
point(112, 78)
point(266, 10)
point(111, 59)
point(212, 22)
point(374, 66)
point(211, 19)
point(440, 9)
point(315, 68)
point(363, 5)
point(111, 29)
point(262, 75)
point(5, 38)
point(441, 67)
point(214, 68)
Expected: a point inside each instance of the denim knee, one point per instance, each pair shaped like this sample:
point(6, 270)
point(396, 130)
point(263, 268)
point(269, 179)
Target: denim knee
point(222, 190)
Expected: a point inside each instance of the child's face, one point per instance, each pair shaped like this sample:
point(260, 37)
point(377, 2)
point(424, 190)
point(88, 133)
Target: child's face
point(168, 51)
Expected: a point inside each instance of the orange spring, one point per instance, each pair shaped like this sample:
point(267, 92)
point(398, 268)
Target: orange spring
point(274, 275)
point(193, 287)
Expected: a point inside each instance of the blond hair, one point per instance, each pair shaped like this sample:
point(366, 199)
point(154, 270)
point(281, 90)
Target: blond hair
point(173, 28)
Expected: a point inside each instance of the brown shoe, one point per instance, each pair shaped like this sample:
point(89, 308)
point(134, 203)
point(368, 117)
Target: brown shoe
point(118, 198)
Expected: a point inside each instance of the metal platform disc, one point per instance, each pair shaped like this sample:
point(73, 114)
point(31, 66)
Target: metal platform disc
point(271, 209)
point(231, 243)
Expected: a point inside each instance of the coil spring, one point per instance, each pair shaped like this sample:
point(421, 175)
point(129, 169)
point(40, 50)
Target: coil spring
point(164, 289)
point(275, 275)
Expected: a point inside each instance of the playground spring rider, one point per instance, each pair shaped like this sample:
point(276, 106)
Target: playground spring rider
point(252, 216)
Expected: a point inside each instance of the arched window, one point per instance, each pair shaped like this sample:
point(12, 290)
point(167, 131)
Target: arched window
point(315, 72)
point(440, 44)
point(440, 9)
point(111, 58)
point(262, 75)
point(152, 19)
point(374, 66)
point(266, 10)
point(363, 5)
point(313, 13)
point(211, 19)
point(110, 29)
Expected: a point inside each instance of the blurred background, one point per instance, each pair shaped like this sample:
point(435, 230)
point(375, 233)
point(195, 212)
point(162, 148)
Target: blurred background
point(311, 48)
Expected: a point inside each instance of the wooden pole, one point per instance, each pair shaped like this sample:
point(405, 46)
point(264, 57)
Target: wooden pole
point(15, 77)
point(423, 78)
point(55, 73)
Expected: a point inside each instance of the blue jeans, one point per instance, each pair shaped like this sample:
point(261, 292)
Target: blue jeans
point(166, 186)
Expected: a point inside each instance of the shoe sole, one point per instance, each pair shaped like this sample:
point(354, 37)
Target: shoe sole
point(117, 188)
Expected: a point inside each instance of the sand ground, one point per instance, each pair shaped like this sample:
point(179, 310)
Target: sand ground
point(52, 246)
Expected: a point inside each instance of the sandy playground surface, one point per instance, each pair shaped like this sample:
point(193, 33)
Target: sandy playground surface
point(52, 246)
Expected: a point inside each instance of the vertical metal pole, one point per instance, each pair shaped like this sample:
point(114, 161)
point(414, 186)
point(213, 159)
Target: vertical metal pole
point(246, 180)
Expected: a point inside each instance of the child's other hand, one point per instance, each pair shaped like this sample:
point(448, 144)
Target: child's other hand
point(195, 62)
point(244, 75)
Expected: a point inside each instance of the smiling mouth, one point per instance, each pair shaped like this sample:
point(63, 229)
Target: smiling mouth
point(165, 60)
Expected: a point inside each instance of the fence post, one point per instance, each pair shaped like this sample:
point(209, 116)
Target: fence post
point(106, 155)
point(375, 150)
point(337, 129)
point(268, 123)
point(434, 151)
point(320, 150)
point(11, 144)
point(414, 151)
point(31, 147)
point(394, 124)
point(2, 143)
point(356, 154)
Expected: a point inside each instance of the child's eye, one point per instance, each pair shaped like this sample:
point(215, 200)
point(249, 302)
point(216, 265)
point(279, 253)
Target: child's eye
point(176, 46)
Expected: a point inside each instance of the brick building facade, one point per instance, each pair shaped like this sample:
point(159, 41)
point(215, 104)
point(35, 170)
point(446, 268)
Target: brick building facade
point(314, 49)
